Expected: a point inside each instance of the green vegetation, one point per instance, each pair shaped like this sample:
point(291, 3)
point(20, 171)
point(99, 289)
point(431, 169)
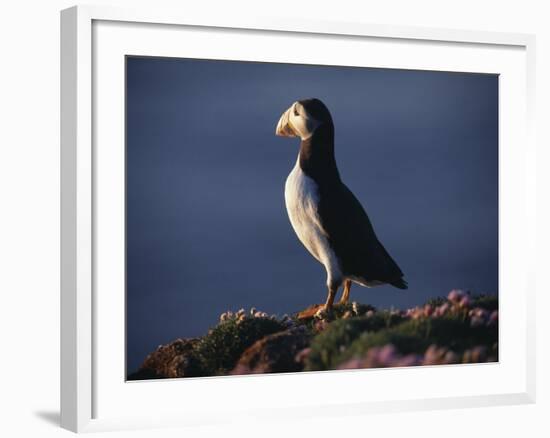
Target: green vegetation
point(327, 346)
point(219, 351)
point(416, 336)
point(460, 328)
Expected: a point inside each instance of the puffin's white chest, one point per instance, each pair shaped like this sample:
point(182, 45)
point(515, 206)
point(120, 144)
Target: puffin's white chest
point(302, 200)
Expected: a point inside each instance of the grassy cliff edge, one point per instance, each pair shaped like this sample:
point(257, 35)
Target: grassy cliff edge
point(459, 328)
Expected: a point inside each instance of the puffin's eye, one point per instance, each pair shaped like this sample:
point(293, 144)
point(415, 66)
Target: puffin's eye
point(296, 113)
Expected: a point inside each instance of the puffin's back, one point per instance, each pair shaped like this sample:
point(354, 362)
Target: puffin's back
point(353, 239)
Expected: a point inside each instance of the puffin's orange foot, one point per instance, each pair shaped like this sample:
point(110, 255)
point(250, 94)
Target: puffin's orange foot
point(325, 313)
point(310, 311)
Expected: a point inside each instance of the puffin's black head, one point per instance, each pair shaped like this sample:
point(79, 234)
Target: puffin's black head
point(303, 118)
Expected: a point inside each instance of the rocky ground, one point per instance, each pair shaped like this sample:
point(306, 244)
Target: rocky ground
point(460, 328)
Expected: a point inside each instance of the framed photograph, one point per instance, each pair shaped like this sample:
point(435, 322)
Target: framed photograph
point(257, 213)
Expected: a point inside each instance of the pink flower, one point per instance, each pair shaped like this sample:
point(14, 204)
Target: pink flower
point(415, 313)
point(441, 310)
point(476, 354)
point(431, 355)
point(456, 295)
point(465, 302)
point(351, 364)
point(226, 316)
point(241, 369)
point(387, 354)
point(381, 357)
point(302, 354)
point(407, 361)
point(451, 357)
point(478, 312)
point(435, 355)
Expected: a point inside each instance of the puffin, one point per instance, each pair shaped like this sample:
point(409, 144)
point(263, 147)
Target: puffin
point(325, 215)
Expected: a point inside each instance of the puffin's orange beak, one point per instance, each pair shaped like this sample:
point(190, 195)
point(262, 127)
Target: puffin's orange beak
point(284, 127)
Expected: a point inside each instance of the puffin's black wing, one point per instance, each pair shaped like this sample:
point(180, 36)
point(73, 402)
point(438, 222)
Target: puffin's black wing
point(352, 237)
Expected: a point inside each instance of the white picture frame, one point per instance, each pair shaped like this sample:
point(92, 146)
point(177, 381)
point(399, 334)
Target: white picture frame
point(86, 378)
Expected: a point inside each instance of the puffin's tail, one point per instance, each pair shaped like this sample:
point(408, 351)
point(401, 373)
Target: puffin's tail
point(400, 283)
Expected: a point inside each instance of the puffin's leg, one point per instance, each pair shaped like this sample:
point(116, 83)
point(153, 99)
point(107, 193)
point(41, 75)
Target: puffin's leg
point(330, 299)
point(345, 293)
